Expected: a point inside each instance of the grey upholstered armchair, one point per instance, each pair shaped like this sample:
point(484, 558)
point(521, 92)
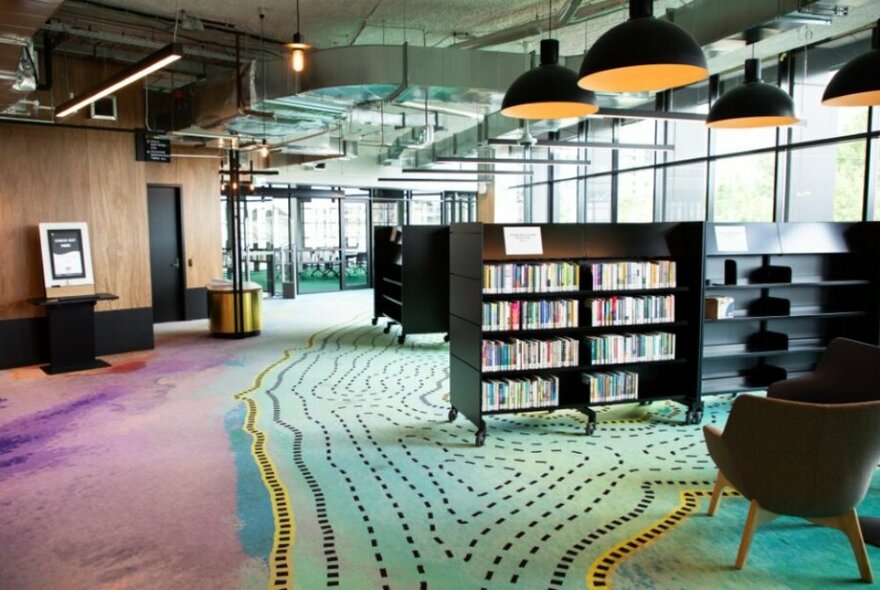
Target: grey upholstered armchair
point(813, 461)
point(849, 371)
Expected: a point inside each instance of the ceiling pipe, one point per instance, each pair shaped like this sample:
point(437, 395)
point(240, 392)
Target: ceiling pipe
point(522, 31)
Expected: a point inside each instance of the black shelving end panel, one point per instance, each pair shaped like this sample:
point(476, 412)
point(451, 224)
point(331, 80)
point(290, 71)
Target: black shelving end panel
point(425, 278)
point(465, 296)
point(466, 250)
point(465, 389)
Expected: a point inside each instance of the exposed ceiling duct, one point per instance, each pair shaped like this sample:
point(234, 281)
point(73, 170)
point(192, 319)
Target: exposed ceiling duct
point(19, 21)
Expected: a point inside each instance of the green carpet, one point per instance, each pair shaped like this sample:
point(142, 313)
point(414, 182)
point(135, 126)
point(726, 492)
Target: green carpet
point(319, 455)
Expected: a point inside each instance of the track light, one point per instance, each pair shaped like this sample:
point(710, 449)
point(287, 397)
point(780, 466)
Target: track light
point(754, 103)
point(857, 83)
point(145, 67)
point(643, 54)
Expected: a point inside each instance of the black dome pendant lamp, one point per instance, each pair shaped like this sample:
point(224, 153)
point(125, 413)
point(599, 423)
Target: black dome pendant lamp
point(857, 83)
point(643, 54)
point(548, 91)
point(754, 103)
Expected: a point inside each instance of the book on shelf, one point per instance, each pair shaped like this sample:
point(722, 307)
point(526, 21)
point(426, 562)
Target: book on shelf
point(542, 277)
point(617, 276)
point(520, 394)
point(517, 354)
point(613, 386)
point(611, 349)
point(530, 315)
point(627, 311)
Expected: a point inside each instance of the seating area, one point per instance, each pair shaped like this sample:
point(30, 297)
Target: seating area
point(809, 449)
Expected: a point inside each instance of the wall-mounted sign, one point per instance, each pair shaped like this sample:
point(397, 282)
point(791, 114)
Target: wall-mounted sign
point(67, 257)
point(522, 240)
point(148, 148)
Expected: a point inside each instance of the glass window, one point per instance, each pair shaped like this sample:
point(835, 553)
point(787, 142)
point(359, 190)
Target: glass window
point(688, 138)
point(827, 182)
point(599, 199)
point(685, 193)
point(635, 196)
point(744, 188)
point(425, 210)
point(813, 69)
point(385, 213)
point(600, 158)
point(509, 198)
point(565, 201)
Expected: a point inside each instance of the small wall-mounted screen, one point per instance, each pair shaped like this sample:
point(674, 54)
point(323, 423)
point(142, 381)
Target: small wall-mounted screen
point(67, 257)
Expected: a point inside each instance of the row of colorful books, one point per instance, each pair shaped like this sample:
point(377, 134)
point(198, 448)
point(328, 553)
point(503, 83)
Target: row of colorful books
point(530, 315)
point(609, 349)
point(544, 277)
point(520, 394)
point(613, 386)
point(626, 311)
point(519, 355)
point(658, 274)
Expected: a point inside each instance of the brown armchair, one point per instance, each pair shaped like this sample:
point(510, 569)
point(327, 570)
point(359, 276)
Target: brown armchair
point(849, 371)
point(814, 461)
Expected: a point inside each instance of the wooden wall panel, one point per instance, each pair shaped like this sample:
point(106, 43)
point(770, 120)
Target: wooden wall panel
point(58, 174)
point(118, 220)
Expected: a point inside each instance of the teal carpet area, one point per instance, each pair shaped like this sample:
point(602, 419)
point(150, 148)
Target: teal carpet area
point(319, 455)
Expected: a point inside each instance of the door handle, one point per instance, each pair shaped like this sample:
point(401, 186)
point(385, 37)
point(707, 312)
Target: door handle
point(176, 263)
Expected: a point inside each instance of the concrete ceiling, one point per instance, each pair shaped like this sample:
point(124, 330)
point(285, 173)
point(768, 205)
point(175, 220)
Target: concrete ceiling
point(126, 29)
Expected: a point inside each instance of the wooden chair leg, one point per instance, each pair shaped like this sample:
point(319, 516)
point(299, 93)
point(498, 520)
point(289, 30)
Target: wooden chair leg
point(757, 516)
point(849, 524)
point(720, 483)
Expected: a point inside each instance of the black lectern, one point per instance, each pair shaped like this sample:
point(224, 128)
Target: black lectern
point(72, 332)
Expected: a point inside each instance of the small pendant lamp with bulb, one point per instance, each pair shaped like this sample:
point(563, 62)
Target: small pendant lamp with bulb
point(857, 83)
point(298, 47)
point(548, 91)
point(643, 54)
point(754, 103)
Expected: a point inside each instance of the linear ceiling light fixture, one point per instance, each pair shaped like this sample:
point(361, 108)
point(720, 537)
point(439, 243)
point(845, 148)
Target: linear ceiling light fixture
point(857, 83)
point(608, 145)
point(523, 162)
point(754, 103)
point(133, 73)
point(478, 172)
point(298, 47)
point(643, 54)
point(549, 91)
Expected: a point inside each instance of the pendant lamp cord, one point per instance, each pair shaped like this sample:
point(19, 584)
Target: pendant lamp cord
point(263, 68)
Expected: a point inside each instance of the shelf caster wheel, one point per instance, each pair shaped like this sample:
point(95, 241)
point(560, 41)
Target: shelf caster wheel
point(401, 339)
point(480, 438)
point(387, 329)
point(590, 430)
point(374, 321)
point(446, 338)
point(693, 417)
point(453, 414)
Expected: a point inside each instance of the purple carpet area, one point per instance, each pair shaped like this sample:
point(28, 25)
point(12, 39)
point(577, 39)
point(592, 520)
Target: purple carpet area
point(124, 477)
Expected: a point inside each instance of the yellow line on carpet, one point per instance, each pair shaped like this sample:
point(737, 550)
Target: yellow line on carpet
point(280, 559)
point(281, 556)
point(599, 574)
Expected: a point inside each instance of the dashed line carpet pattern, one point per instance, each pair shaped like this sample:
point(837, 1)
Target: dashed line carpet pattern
point(327, 430)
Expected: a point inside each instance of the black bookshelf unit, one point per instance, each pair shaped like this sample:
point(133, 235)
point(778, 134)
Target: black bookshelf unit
point(480, 249)
point(794, 286)
point(411, 279)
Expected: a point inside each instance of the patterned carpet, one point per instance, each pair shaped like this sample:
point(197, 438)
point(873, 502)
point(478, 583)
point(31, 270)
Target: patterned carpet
point(319, 455)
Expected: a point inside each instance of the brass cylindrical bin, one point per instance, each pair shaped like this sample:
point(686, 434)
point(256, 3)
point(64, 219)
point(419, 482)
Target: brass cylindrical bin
point(221, 311)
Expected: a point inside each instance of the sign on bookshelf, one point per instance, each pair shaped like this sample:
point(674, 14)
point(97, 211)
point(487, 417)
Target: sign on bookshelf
point(520, 241)
point(731, 238)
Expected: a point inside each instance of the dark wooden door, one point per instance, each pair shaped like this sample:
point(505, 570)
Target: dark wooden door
point(166, 254)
